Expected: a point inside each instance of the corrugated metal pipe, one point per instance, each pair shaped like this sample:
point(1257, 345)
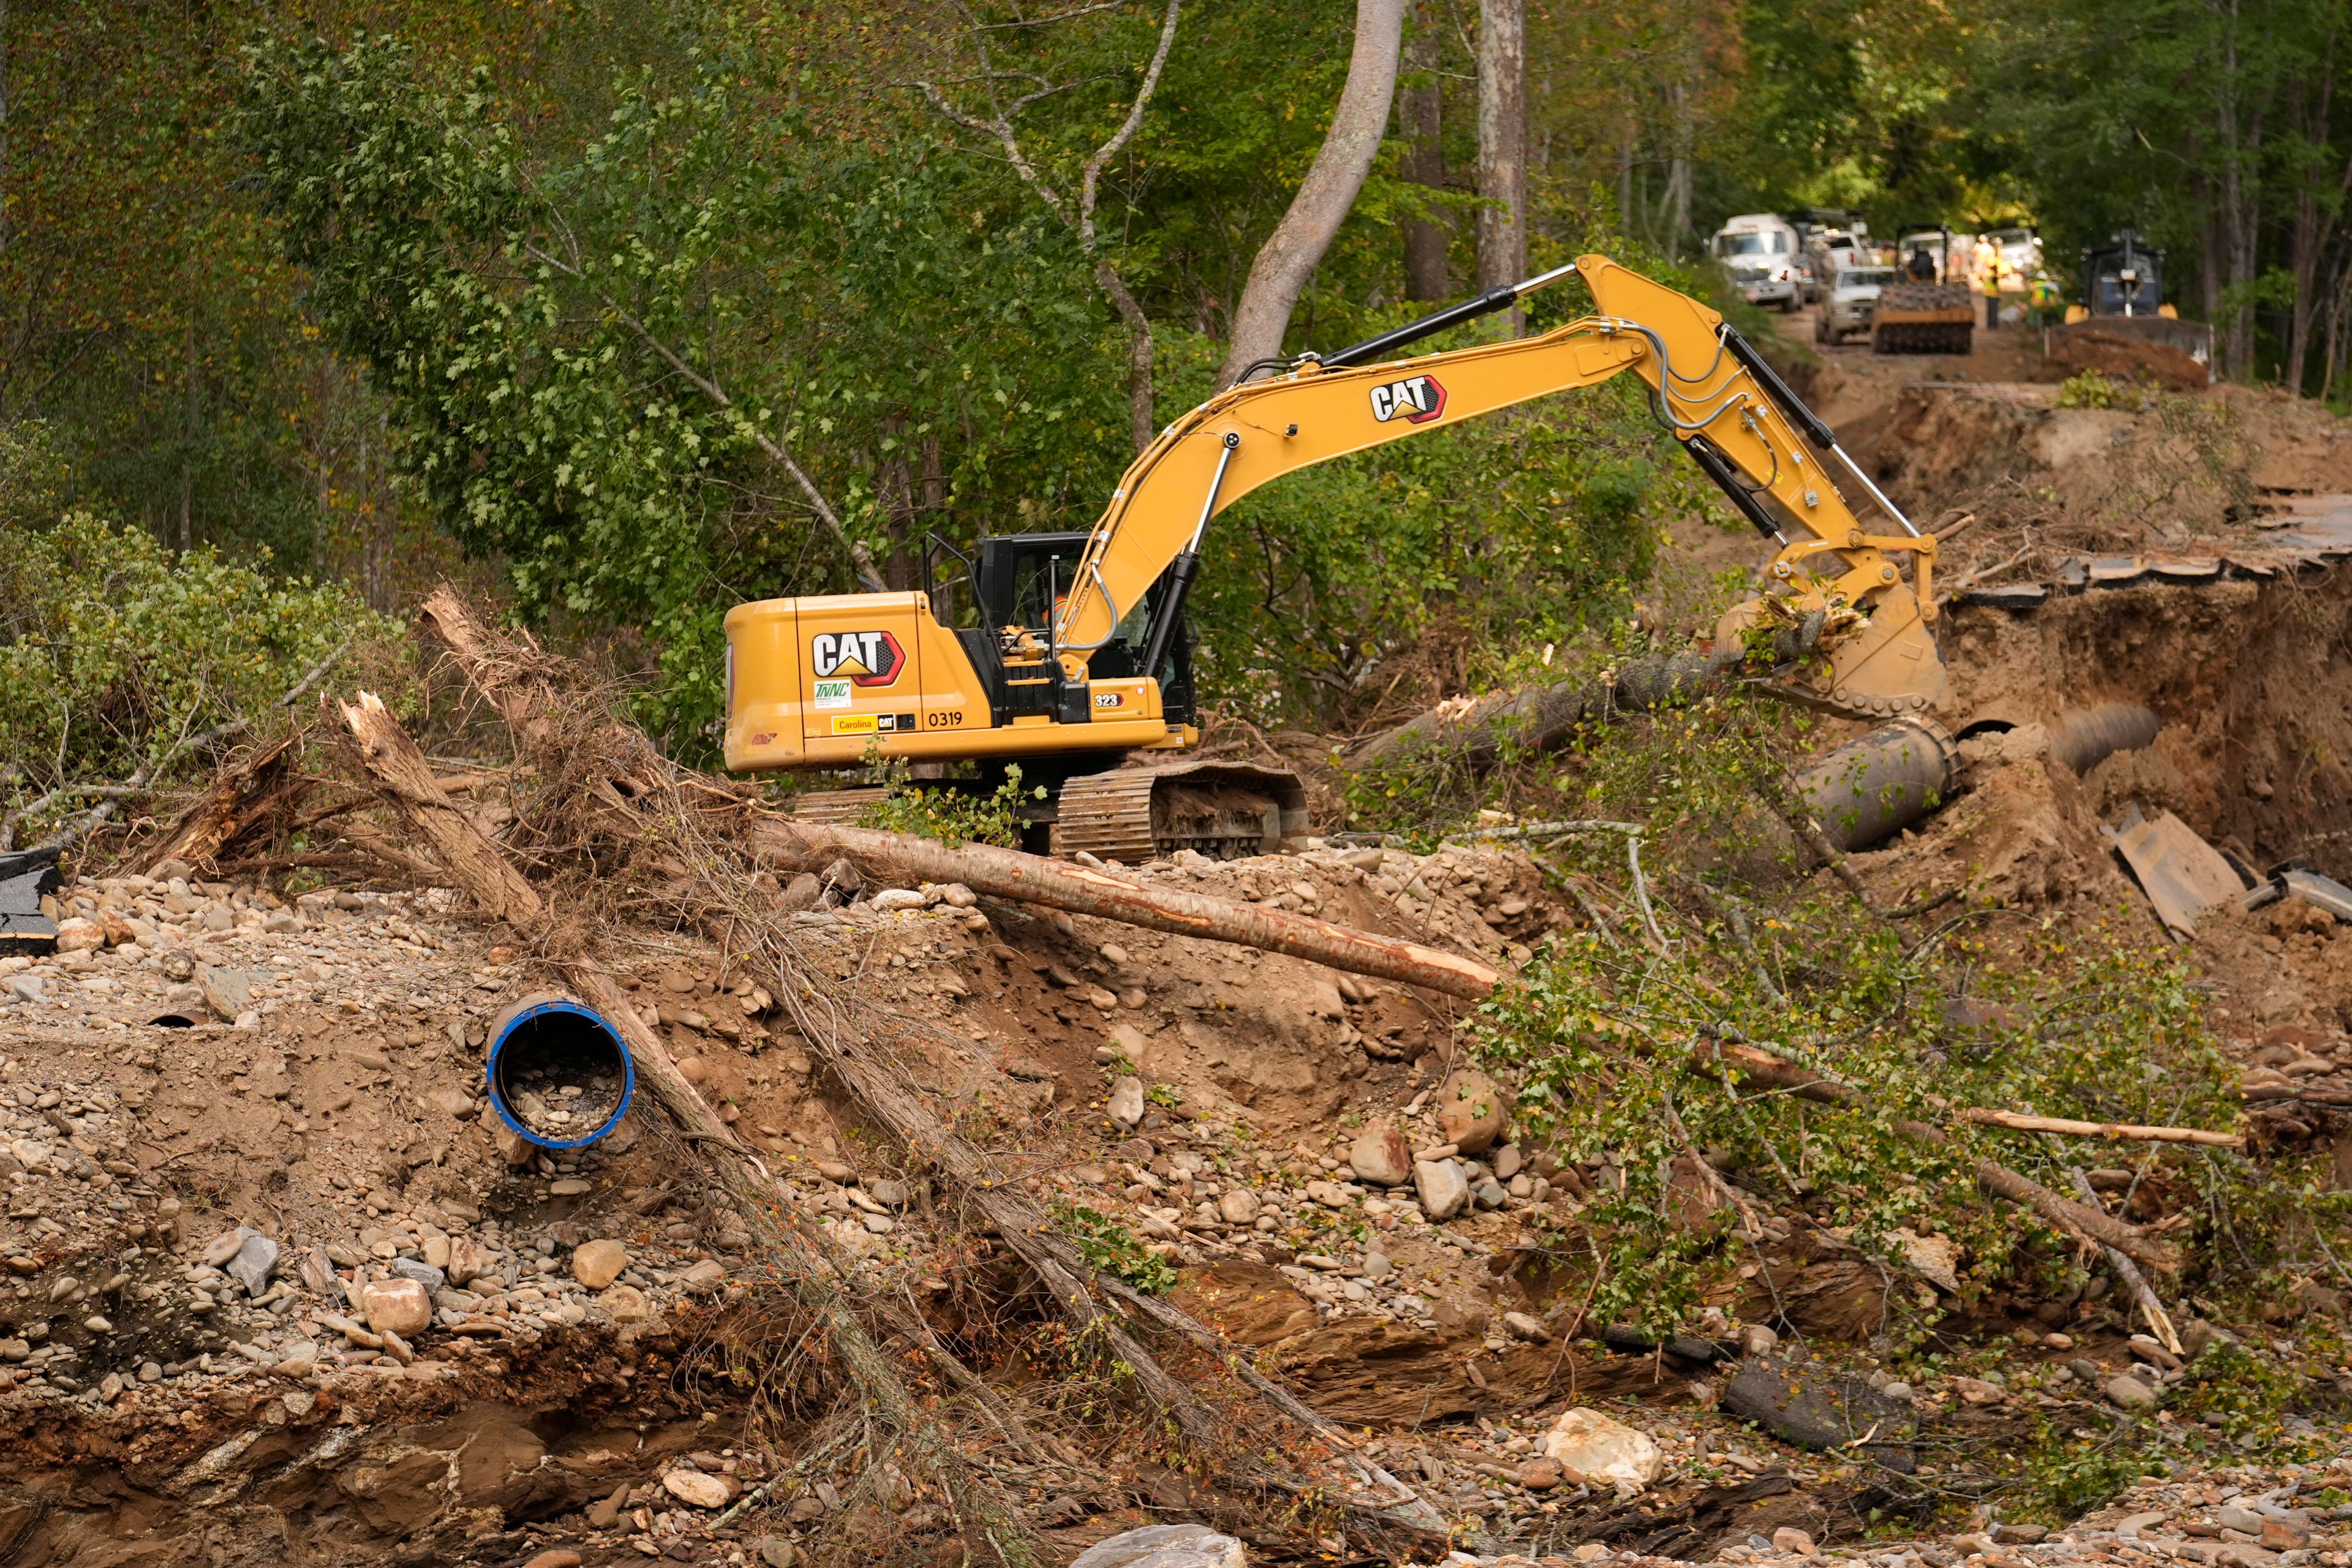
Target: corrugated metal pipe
point(2086, 737)
point(557, 1073)
point(1869, 789)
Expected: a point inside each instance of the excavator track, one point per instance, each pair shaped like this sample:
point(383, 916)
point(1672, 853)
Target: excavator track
point(1226, 811)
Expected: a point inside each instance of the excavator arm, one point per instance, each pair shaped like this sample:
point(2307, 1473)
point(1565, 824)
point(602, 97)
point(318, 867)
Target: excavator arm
point(1743, 427)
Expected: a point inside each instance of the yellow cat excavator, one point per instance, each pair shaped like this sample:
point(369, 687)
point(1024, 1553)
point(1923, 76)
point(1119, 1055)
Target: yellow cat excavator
point(1080, 667)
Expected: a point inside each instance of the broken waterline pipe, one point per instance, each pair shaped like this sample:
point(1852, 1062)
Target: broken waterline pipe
point(1869, 789)
point(557, 1074)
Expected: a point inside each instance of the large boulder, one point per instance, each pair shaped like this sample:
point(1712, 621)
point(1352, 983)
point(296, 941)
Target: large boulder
point(397, 1306)
point(1471, 1110)
point(597, 1264)
point(1440, 1185)
point(1603, 1450)
point(1380, 1155)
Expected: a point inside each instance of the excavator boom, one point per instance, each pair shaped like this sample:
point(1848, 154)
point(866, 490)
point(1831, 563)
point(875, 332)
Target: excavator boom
point(1715, 395)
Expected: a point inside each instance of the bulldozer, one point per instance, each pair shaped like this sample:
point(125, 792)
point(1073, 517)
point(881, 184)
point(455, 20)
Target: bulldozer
point(2123, 293)
point(1080, 668)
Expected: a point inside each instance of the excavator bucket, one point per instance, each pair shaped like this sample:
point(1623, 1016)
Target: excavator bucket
point(1883, 666)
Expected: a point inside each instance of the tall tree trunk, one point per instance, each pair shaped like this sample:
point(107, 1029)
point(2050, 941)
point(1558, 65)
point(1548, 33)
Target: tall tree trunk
point(2208, 240)
point(188, 447)
point(2235, 330)
point(2340, 299)
point(1502, 144)
point(1425, 238)
point(1678, 169)
point(1290, 255)
point(894, 486)
point(1625, 215)
point(4, 127)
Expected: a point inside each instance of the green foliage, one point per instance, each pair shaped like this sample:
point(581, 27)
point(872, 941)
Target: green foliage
point(1602, 1034)
point(2092, 389)
point(1111, 1248)
point(594, 360)
point(114, 653)
point(952, 814)
point(36, 474)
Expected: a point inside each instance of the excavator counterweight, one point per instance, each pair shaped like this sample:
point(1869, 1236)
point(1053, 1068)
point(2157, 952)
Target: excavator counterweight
point(1078, 664)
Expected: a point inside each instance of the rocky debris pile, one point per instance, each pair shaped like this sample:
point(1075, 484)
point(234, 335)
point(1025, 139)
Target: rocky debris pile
point(2287, 1515)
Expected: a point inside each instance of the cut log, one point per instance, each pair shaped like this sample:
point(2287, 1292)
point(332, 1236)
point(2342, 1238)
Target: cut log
point(2121, 1129)
point(1747, 1064)
point(1083, 890)
point(401, 770)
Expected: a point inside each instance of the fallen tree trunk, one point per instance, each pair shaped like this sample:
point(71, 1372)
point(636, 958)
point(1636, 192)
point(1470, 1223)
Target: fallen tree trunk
point(2160, 1321)
point(1713, 1059)
point(2133, 1132)
point(1547, 718)
point(1082, 890)
point(401, 770)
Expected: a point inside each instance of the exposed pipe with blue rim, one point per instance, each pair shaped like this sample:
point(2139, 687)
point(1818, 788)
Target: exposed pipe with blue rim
point(540, 1047)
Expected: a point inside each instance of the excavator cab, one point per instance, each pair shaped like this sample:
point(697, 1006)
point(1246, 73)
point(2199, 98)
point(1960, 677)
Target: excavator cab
point(1020, 584)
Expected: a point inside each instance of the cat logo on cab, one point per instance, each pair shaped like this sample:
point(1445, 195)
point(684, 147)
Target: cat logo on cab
point(867, 658)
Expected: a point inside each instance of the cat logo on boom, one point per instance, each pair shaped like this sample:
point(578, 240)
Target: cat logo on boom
point(867, 658)
point(1419, 398)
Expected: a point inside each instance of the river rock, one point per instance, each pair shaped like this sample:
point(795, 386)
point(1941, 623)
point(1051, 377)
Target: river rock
point(1814, 1407)
point(2129, 1394)
point(256, 1261)
point(227, 992)
point(1127, 1102)
point(1380, 1155)
point(1440, 1187)
point(467, 1258)
point(1239, 1206)
point(1165, 1546)
point(697, 1488)
point(1603, 1450)
point(597, 1264)
point(398, 1305)
point(1470, 1109)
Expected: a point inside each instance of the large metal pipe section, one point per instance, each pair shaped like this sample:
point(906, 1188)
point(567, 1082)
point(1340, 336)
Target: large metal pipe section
point(2086, 737)
point(558, 1074)
point(1869, 789)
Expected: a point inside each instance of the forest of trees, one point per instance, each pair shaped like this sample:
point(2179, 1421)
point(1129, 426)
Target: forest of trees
point(645, 309)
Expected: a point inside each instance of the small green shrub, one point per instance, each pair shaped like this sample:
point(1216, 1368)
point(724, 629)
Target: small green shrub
point(2094, 389)
point(1112, 1248)
point(953, 817)
point(114, 652)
